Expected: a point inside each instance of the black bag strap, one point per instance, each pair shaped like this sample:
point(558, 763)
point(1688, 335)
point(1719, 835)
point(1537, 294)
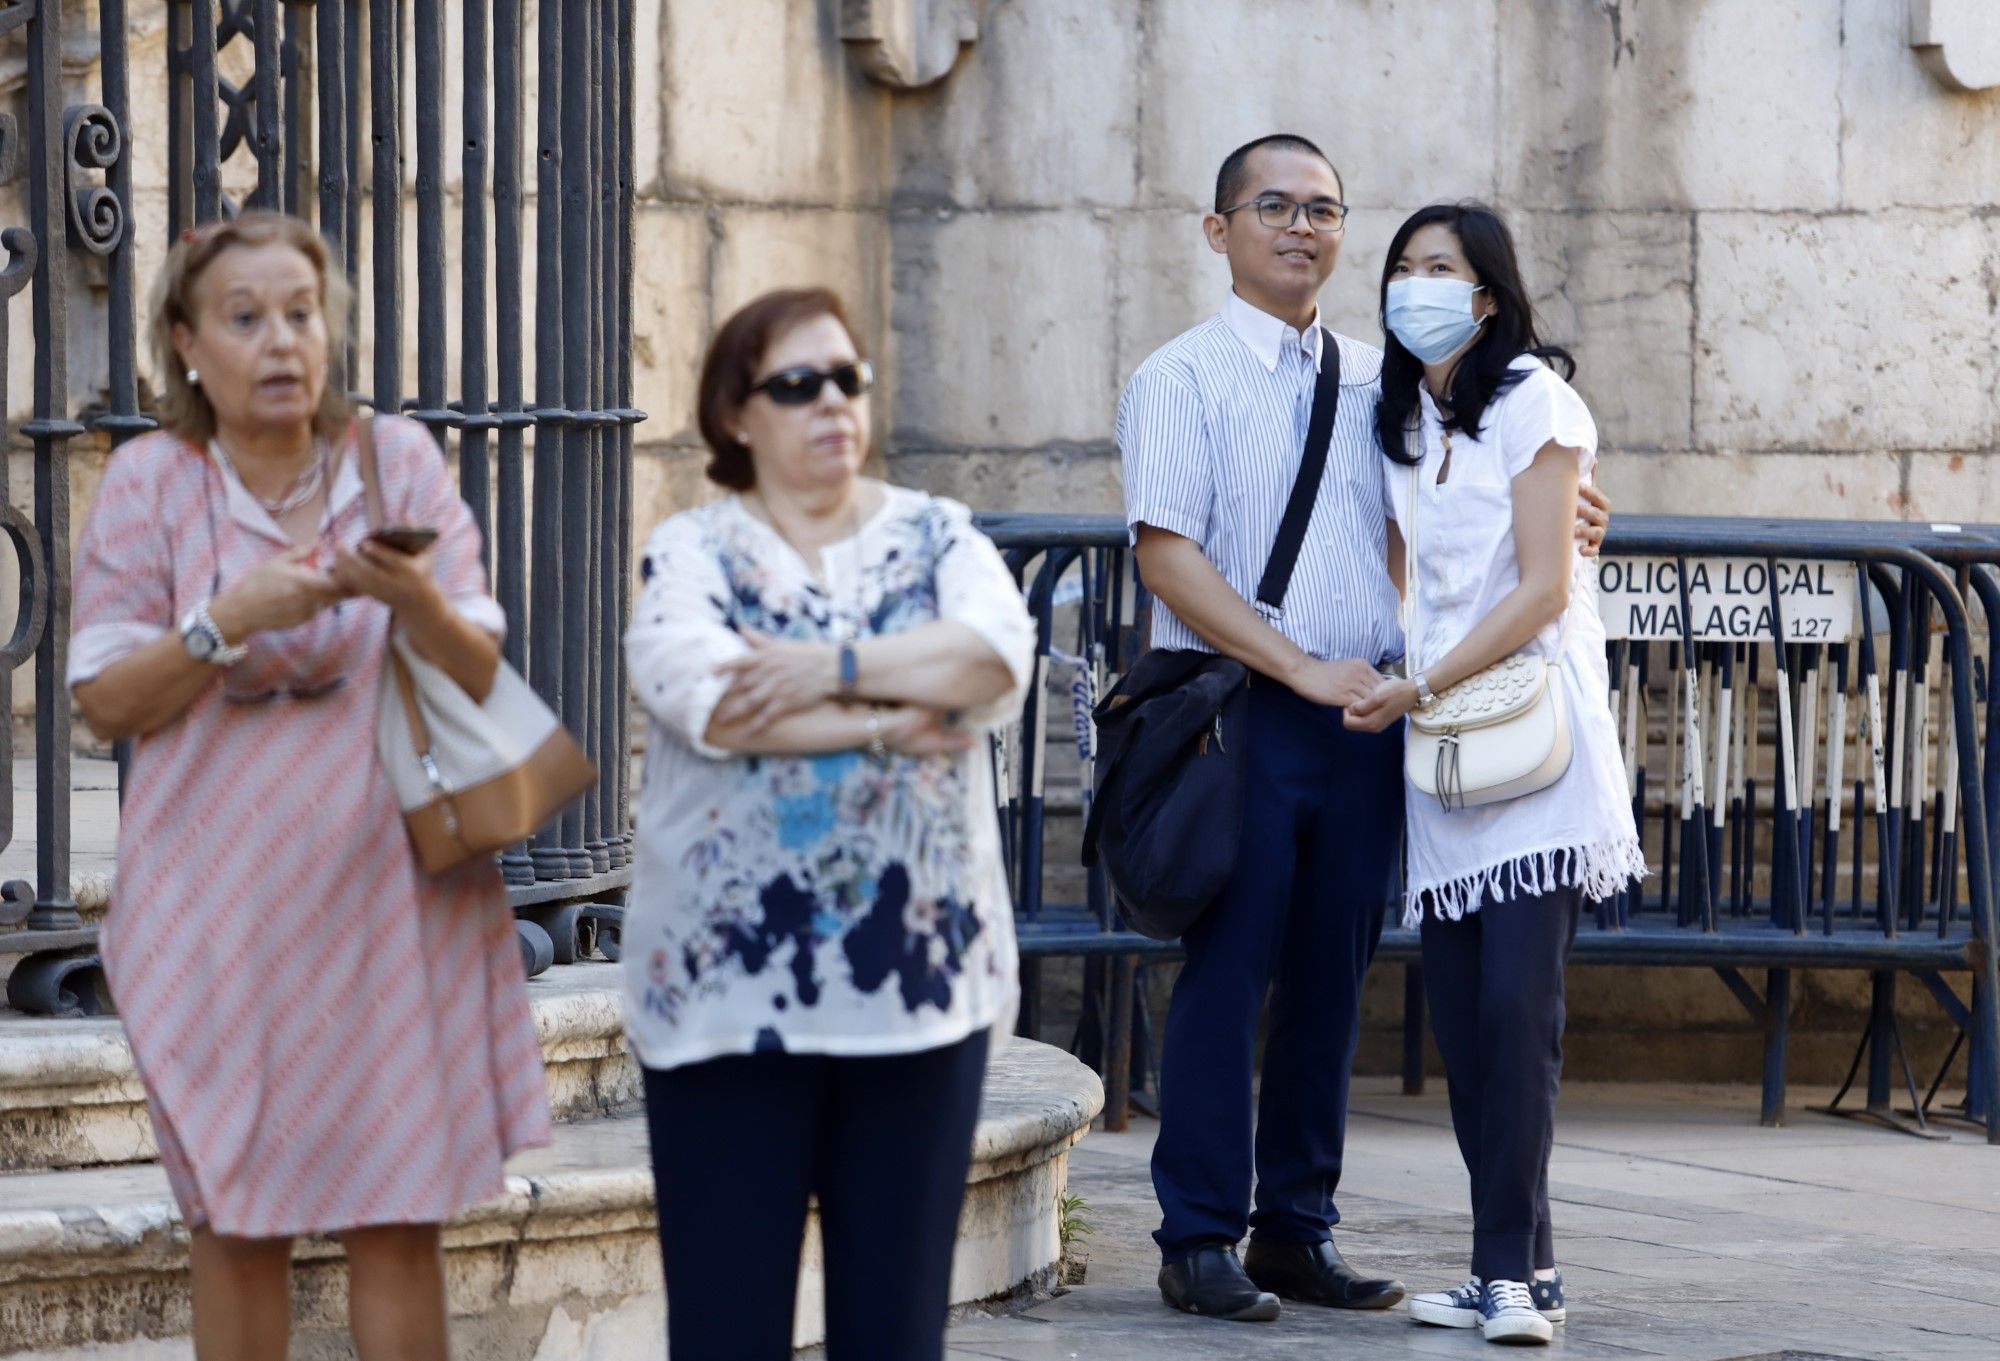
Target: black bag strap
point(1305, 489)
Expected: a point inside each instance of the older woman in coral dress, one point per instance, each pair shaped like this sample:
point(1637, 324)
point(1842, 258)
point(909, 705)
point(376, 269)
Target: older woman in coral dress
point(331, 1039)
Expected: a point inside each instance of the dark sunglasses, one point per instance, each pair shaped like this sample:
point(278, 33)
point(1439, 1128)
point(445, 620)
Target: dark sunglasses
point(797, 387)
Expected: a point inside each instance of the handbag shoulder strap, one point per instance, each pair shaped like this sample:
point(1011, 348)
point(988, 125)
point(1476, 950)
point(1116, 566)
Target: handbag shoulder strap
point(392, 660)
point(1414, 446)
point(1305, 488)
point(371, 478)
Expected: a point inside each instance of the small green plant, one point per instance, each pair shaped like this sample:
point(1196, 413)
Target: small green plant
point(1073, 1227)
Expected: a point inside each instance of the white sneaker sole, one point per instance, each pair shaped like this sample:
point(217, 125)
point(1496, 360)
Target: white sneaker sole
point(1442, 1315)
point(1527, 1330)
point(1554, 1315)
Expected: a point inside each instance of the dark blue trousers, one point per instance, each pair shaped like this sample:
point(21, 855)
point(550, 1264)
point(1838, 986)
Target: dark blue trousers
point(1300, 918)
point(1495, 983)
point(741, 1143)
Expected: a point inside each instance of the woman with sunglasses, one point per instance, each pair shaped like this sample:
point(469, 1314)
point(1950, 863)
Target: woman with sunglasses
point(820, 939)
point(366, 1075)
point(1486, 444)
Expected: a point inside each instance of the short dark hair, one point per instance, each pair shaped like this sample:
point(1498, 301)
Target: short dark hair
point(1235, 166)
point(731, 367)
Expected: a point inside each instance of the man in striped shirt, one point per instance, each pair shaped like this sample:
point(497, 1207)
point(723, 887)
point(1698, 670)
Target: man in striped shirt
point(1211, 431)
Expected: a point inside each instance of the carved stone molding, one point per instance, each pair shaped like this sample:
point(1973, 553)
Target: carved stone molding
point(1959, 40)
point(908, 44)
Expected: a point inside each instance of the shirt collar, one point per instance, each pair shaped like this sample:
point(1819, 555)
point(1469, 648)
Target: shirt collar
point(1266, 334)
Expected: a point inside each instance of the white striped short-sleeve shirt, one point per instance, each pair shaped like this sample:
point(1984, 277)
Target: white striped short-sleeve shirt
point(1211, 430)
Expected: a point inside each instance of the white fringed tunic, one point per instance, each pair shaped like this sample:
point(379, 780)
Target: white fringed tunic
point(1578, 832)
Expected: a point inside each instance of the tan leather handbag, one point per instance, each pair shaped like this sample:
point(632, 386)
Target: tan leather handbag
point(471, 776)
point(1496, 735)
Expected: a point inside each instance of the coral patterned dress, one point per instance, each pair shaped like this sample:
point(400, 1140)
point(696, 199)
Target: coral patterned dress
point(329, 1036)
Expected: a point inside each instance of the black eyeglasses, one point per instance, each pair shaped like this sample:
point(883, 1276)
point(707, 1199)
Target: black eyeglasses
point(797, 387)
point(1279, 213)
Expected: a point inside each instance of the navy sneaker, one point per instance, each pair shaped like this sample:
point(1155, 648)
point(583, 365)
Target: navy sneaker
point(1507, 1313)
point(1449, 1308)
point(1548, 1297)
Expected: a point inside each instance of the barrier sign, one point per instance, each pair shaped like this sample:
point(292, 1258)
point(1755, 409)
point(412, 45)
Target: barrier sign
point(1729, 599)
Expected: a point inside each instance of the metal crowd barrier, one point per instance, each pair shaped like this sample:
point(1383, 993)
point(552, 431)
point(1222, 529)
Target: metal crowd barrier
point(1813, 749)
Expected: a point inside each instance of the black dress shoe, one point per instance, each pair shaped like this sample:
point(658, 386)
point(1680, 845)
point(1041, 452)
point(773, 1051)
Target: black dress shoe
point(1210, 1281)
point(1314, 1273)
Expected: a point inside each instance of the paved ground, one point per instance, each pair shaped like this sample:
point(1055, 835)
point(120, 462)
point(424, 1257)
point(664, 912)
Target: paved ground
point(1684, 1229)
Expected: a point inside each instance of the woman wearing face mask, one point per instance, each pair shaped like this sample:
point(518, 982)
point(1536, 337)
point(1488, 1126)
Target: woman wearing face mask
point(1499, 443)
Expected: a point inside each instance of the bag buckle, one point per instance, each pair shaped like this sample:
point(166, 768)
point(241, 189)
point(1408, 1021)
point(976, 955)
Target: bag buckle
point(434, 775)
point(1272, 614)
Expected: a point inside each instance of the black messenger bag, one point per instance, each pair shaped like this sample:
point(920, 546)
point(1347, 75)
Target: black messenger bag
point(1167, 810)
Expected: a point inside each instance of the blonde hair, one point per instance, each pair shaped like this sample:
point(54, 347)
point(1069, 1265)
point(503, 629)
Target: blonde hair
point(182, 406)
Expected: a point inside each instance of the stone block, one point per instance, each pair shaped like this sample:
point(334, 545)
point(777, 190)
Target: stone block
point(1810, 486)
point(1617, 289)
point(1906, 138)
point(1619, 105)
point(671, 316)
point(1216, 76)
point(759, 249)
point(1953, 488)
point(765, 106)
point(973, 365)
point(1806, 337)
point(1164, 279)
point(1041, 111)
point(1071, 480)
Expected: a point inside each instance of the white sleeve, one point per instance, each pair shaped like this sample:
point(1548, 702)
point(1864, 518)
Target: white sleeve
point(975, 588)
point(680, 632)
point(1165, 460)
point(1540, 408)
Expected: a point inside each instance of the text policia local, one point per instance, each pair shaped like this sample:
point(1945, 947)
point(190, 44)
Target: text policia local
point(1727, 598)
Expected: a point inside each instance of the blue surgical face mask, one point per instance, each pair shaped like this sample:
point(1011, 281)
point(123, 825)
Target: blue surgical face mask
point(1432, 317)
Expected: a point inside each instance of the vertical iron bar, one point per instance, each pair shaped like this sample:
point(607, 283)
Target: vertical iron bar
point(477, 419)
point(385, 246)
point(603, 506)
point(510, 530)
point(298, 94)
point(545, 637)
point(335, 226)
point(577, 200)
point(123, 419)
point(265, 142)
point(206, 167)
point(428, 48)
point(51, 430)
point(350, 47)
point(628, 189)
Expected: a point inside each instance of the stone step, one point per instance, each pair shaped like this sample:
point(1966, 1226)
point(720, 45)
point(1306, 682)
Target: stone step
point(70, 1096)
point(563, 1267)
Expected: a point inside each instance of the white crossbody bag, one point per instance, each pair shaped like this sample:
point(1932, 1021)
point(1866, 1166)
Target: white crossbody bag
point(1496, 735)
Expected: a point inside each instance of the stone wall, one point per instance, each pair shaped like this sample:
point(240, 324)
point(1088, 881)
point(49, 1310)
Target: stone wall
point(1765, 225)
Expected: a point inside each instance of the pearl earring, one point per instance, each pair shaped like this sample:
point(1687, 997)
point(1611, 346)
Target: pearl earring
point(194, 378)
point(742, 437)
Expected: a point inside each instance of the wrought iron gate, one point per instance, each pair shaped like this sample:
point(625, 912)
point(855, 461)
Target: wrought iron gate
point(320, 120)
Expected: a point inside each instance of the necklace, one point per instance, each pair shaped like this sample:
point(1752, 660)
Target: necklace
point(303, 488)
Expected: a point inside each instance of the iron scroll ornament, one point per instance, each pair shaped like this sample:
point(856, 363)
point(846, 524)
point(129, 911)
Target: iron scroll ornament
point(93, 141)
point(31, 620)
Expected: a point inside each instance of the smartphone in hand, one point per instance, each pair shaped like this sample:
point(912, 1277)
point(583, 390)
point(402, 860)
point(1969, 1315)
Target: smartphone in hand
point(404, 538)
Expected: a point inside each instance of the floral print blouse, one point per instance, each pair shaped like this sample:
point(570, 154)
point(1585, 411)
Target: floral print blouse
point(828, 904)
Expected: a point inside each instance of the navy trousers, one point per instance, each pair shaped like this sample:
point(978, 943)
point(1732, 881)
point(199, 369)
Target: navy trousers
point(741, 1143)
point(1300, 919)
point(1495, 983)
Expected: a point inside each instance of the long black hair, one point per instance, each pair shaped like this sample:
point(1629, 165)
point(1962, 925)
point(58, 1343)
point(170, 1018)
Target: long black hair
point(1485, 370)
